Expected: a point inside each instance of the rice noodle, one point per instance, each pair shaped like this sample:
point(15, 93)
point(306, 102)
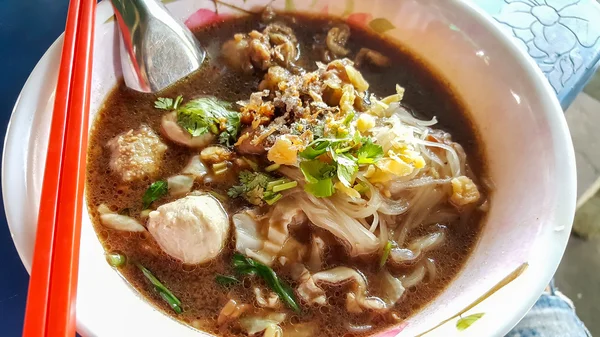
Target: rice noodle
point(406, 117)
point(422, 205)
point(431, 269)
point(325, 214)
point(414, 278)
point(453, 160)
point(397, 186)
point(417, 247)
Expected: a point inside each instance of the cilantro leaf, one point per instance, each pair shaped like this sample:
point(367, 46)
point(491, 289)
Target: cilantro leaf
point(209, 114)
point(315, 149)
point(318, 177)
point(253, 188)
point(168, 103)
point(315, 170)
point(321, 189)
point(346, 169)
point(157, 190)
point(369, 153)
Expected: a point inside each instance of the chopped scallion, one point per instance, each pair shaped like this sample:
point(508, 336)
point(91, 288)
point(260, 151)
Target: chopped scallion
point(386, 253)
point(165, 293)
point(274, 183)
point(115, 259)
point(285, 186)
point(172, 301)
point(225, 280)
point(274, 199)
point(247, 266)
point(272, 167)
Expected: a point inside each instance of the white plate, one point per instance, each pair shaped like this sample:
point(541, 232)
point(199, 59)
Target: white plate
point(525, 136)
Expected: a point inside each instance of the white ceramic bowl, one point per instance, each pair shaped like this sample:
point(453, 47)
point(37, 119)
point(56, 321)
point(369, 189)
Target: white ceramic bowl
point(528, 147)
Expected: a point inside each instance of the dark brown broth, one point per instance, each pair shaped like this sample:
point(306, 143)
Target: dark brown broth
point(202, 298)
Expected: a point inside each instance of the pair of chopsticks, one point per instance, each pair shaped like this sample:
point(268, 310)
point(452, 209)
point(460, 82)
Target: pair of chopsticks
point(50, 307)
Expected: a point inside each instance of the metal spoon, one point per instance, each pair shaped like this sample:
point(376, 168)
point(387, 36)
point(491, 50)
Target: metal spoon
point(157, 50)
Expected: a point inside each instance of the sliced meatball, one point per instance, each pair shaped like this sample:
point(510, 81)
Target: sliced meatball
point(171, 130)
point(192, 229)
point(136, 154)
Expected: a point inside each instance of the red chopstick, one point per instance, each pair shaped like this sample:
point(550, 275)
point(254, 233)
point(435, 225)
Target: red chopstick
point(50, 307)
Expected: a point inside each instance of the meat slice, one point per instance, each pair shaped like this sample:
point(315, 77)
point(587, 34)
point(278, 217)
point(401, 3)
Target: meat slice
point(171, 130)
point(136, 154)
point(276, 44)
point(192, 229)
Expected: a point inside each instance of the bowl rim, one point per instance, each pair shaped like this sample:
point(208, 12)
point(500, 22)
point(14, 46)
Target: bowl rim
point(551, 109)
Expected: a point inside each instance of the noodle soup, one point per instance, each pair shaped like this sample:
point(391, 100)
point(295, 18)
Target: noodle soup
point(311, 178)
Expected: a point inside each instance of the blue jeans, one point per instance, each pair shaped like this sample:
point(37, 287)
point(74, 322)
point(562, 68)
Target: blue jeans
point(553, 315)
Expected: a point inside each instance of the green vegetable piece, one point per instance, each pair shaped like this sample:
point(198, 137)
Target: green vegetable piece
point(465, 322)
point(172, 301)
point(316, 170)
point(272, 167)
point(369, 153)
point(226, 281)
point(247, 266)
point(274, 183)
point(285, 186)
point(165, 293)
point(346, 169)
point(157, 190)
point(115, 259)
point(168, 103)
point(349, 118)
point(318, 177)
point(315, 150)
point(209, 114)
point(255, 187)
point(275, 198)
point(386, 253)
point(321, 189)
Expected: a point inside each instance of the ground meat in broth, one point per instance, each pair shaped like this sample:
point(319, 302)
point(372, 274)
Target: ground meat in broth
point(384, 65)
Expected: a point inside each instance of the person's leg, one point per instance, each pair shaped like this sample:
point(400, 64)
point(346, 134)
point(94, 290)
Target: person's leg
point(553, 315)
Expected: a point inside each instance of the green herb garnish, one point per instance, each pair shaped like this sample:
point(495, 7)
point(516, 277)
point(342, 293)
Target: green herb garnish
point(346, 168)
point(204, 114)
point(247, 266)
point(165, 293)
point(115, 259)
point(209, 114)
point(168, 103)
point(318, 178)
point(369, 152)
point(226, 281)
point(258, 187)
point(157, 190)
point(386, 253)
